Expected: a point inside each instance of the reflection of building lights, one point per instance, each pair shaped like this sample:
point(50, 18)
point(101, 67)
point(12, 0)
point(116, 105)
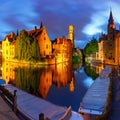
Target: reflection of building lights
point(72, 88)
point(1, 50)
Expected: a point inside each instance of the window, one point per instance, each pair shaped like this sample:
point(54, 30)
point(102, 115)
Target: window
point(6, 51)
point(46, 46)
point(44, 52)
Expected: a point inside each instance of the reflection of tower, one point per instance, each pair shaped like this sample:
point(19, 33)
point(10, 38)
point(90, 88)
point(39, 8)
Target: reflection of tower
point(71, 34)
point(72, 88)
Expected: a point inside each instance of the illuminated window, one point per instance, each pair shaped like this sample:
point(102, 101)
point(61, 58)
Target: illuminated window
point(6, 51)
point(44, 38)
point(47, 46)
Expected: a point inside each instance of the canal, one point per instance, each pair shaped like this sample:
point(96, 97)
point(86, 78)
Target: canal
point(62, 84)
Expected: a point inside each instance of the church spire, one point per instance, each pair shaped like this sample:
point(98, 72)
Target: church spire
point(41, 25)
point(111, 20)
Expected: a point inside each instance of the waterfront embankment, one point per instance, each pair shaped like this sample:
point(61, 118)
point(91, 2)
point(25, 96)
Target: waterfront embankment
point(94, 101)
point(32, 107)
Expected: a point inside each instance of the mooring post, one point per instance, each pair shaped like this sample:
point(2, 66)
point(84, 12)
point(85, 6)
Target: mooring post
point(15, 102)
point(41, 116)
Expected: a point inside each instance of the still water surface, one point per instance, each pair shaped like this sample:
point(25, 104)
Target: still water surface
point(62, 84)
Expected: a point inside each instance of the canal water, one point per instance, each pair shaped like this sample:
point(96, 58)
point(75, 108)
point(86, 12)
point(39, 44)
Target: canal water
point(63, 84)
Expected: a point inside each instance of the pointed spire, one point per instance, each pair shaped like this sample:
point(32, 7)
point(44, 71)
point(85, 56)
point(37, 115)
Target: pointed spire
point(41, 25)
point(111, 20)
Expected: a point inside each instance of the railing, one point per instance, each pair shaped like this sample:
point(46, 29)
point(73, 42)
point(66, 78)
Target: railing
point(7, 96)
point(11, 99)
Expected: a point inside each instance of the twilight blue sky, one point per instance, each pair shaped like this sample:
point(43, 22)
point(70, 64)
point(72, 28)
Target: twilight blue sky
point(89, 17)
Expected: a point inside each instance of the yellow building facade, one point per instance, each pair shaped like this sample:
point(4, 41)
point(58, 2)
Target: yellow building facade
point(8, 47)
point(71, 34)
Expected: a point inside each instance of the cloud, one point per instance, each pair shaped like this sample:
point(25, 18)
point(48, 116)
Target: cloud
point(88, 17)
point(100, 18)
point(94, 27)
point(16, 14)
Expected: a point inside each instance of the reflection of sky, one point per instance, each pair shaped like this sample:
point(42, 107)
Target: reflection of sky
point(88, 82)
point(89, 17)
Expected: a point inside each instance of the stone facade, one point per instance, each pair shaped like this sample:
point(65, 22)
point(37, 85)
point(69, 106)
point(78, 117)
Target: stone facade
point(44, 42)
point(58, 51)
point(71, 34)
point(108, 46)
point(62, 49)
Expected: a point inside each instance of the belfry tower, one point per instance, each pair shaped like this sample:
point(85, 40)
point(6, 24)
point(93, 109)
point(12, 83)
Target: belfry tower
point(111, 27)
point(110, 43)
point(71, 34)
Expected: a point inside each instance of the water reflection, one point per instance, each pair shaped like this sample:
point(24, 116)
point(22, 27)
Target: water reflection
point(63, 84)
point(38, 80)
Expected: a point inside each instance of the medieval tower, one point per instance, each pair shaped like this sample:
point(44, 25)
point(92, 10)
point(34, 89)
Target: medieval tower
point(110, 53)
point(71, 34)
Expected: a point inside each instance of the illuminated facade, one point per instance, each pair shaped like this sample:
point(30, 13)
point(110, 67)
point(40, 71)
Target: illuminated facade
point(44, 42)
point(47, 76)
point(71, 34)
point(58, 51)
point(108, 46)
point(8, 47)
point(100, 53)
point(62, 49)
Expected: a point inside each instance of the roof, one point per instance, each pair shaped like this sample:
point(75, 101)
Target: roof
point(35, 32)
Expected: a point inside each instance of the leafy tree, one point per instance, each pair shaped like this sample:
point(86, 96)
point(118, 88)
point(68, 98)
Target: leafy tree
point(35, 50)
point(20, 45)
point(91, 47)
point(27, 47)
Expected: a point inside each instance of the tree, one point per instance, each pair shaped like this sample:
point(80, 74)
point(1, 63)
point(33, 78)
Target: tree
point(91, 47)
point(35, 50)
point(20, 45)
point(27, 47)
